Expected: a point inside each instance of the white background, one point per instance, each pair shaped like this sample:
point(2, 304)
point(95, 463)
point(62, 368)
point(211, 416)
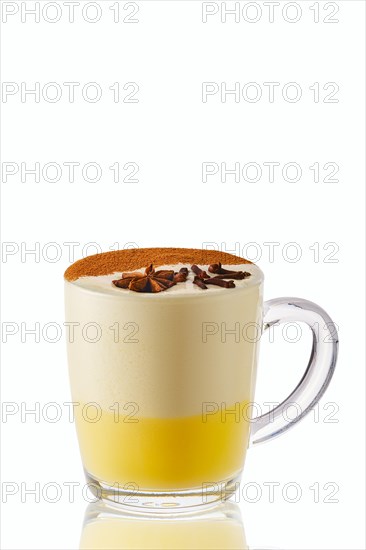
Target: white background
point(169, 133)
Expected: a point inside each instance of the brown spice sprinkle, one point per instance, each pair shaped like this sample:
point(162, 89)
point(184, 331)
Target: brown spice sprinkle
point(130, 259)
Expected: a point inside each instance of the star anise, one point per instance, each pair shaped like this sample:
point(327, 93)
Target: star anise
point(151, 281)
point(181, 275)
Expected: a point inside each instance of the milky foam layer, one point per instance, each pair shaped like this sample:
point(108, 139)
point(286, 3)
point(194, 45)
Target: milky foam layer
point(168, 352)
point(103, 283)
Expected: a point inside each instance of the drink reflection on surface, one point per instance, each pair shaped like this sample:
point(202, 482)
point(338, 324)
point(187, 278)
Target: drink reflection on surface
point(107, 528)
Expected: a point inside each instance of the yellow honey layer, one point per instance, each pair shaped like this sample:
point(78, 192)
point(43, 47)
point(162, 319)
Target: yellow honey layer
point(165, 453)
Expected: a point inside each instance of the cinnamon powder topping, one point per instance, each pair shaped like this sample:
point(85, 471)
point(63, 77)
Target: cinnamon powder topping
point(136, 258)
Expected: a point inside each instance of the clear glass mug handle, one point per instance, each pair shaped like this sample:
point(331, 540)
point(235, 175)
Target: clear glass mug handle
point(317, 374)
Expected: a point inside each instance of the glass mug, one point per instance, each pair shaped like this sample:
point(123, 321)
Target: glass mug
point(163, 383)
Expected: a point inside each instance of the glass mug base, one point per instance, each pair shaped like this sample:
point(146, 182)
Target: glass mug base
point(127, 496)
